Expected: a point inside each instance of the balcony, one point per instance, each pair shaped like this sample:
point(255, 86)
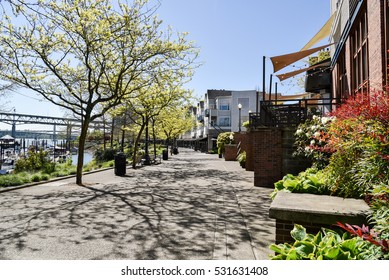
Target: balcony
point(289, 113)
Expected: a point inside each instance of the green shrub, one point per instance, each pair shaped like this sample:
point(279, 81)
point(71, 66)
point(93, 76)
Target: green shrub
point(242, 159)
point(325, 245)
point(361, 157)
point(378, 200)
point(108, 154)
point(35, 178)
point(35, 160)
point(108, 164)
point(311, 141)
point(223, 139)
point(45, 177)
point(86, 169)
point(14, 180)
point(310, 181)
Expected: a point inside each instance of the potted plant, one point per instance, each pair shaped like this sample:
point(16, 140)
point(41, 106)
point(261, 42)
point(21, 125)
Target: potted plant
point(222, 140)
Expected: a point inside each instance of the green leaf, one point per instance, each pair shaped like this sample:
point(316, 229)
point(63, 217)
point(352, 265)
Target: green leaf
point(292, 255)
point(275, 248)
point(318, 238)
point(344, 256)
point(279, 185)
point(298, 232)
point(350, 245)
point(291, 183)
point(304, 248)
point(332, 253)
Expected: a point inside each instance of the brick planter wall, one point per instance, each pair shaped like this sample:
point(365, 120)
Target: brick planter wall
point(245, 145)
point(291, 164)
point(230, 152)
point(270, 155)
point(267, 154)
point(284, 227)
point(314, 212)
point(249, 153)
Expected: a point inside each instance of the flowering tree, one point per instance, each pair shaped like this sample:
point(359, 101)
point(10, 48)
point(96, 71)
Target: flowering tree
point(86, 55)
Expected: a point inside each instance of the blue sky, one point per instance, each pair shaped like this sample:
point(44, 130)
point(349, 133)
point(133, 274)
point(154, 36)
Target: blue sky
point(233, 36)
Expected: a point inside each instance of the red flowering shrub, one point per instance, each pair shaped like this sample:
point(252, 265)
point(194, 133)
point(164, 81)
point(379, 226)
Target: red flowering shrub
point(360, 137)
point(372, 106)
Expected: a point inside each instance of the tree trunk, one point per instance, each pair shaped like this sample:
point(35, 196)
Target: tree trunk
point(104, 140)
point(135, 152)
point(154, 141)
point(112, 128)
point(81, 148)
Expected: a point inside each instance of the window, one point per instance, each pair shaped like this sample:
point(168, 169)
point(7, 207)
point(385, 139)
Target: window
point(224, 104)
point(211, 104)
point(244, 102)
point(224, 121)
point(341, 85)
point(359, 53)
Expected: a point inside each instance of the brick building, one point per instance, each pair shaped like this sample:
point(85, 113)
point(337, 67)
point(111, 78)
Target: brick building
point(360, 55)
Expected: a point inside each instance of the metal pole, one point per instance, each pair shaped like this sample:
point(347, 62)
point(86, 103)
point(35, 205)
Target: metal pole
point(240, 111)
point(263, 77)
point(276, 92)
point(270, 87)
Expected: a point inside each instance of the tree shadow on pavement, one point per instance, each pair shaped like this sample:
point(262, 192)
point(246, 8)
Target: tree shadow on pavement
point(180, 213)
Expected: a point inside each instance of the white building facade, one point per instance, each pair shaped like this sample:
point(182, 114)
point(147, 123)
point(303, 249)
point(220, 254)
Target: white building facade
point(220, 113)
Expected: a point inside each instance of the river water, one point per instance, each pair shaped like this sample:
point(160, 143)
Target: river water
point(87, 158)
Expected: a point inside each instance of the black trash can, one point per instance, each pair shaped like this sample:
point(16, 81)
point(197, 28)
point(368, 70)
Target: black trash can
point(120, 164)
point(175, 150)
point(165, 154)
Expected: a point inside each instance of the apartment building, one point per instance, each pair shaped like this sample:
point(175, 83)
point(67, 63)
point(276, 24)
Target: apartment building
point(223, 111)
point(360, 32)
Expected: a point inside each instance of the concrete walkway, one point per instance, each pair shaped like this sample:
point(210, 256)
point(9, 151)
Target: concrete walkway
point(193, 206)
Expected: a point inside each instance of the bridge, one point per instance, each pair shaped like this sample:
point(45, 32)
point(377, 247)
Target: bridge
point(35, 134)
point(13, 119)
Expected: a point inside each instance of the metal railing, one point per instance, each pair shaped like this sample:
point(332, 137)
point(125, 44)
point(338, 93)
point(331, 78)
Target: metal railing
point(289, 113)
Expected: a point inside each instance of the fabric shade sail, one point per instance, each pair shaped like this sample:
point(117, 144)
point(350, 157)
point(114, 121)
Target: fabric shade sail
point(294, 73)
point(282, 61)
point(323, 33)
point(281, 97)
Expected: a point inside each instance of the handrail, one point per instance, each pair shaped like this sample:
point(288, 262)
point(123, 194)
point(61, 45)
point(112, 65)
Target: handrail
point(290, 112)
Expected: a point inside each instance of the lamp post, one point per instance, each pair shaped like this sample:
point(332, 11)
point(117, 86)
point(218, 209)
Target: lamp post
point(240, 111)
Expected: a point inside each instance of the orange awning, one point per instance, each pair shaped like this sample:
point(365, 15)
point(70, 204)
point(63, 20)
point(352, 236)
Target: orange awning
point(282, 61)
point(294, 73)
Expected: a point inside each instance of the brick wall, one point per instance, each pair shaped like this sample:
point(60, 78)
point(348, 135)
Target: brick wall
point(230, 152)
point(267, 155)
point(283, 229)
point(245, 145)
point(243, 138)
point(376, 38)
point(291, 164)
point(271, 156)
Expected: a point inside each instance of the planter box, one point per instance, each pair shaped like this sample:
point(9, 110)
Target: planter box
point(230, 152)
point(314, 212)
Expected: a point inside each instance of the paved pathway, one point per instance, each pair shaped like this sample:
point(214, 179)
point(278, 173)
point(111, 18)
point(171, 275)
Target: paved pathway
point(193, 206)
